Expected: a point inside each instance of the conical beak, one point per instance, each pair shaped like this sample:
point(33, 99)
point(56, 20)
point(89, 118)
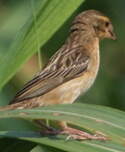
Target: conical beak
point(112, 35)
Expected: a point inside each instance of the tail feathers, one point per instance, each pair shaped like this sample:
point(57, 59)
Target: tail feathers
point(21, 105)
point(14, 106)
point(8, 107)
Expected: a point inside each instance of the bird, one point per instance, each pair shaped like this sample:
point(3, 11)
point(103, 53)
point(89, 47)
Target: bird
point(70, 72)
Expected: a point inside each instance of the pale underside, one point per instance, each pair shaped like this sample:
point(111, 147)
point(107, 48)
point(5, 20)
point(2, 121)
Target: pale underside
point(71, 90)
point(80, 78)
point(68, 92)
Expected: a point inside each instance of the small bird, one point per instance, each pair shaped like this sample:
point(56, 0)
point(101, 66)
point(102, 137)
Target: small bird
point(70, 72)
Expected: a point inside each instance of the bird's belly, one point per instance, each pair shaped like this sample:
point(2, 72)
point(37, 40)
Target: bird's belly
point(69, 91)
point(74, 88)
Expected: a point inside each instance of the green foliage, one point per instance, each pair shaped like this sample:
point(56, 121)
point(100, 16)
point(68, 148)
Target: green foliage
point(92, 118)
point(48, 18)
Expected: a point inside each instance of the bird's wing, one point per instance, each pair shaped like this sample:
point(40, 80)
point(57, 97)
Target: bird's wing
point(68, 66)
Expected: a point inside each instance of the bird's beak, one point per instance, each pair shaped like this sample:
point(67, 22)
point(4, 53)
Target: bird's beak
point(112, 35)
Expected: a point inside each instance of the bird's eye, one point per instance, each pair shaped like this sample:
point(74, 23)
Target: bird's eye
point(107, 24)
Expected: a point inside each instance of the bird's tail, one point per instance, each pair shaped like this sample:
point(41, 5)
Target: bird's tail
point(8, 107)
point(20, 105)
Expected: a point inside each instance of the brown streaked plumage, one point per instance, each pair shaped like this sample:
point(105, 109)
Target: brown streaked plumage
point(71, 70)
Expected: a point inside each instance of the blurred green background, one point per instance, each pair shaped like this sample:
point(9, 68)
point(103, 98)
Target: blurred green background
point(109, 88)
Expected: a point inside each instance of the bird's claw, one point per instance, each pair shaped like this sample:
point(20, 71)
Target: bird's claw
point(74, 134)
point(81, 135)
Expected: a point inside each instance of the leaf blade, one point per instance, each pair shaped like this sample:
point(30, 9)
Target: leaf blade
point(109, 122)
point(25, 45)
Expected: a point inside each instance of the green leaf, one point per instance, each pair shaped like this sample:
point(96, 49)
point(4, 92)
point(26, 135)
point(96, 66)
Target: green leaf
point(107, 121)
point(49, 17)
point(42, 148)
point(60, 142)
point(39, 149)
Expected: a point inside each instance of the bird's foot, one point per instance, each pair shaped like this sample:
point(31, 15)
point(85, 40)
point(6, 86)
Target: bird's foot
point(50, 131)
point(81, 135)
point(74, 134)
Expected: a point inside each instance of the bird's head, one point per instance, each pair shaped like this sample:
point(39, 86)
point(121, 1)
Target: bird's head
point(101, 24)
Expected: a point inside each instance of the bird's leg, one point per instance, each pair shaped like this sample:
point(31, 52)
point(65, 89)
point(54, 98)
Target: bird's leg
point(42, 124)
point(48, 129)
point(78, 134)
point(71, 132)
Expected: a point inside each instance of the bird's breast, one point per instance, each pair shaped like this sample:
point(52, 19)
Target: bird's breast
point(69, 91)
